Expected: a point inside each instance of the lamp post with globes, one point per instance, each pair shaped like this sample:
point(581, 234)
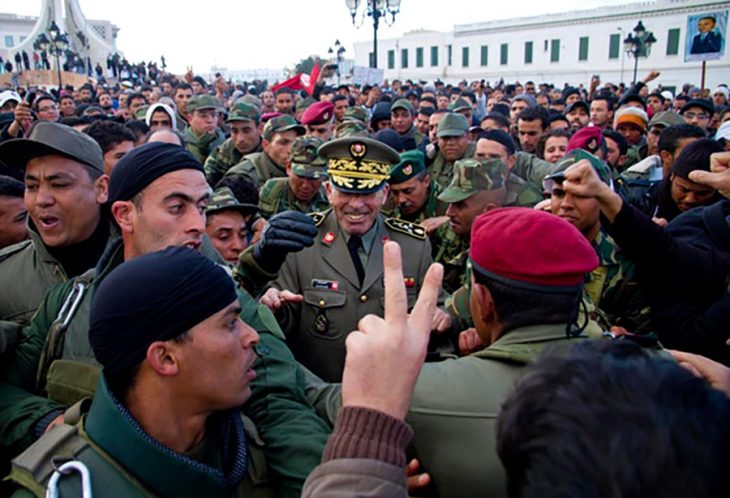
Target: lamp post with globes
point(56, 42)
point(376, 9)
point(639, 44)
point(337, 51)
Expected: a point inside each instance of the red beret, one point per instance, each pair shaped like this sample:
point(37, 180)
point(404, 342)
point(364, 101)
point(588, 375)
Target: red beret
point(530, 246)
point(318, 113)
point(588, 138)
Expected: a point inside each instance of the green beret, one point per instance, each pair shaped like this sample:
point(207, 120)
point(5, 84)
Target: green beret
point(412, 162)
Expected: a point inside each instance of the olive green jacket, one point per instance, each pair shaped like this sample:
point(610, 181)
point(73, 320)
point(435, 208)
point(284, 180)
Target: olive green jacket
point(124, 461)
point(531, 168)
point(441, 170)
point(223, 158)
point(27, 271)
point(295, 436)
point(202, 146)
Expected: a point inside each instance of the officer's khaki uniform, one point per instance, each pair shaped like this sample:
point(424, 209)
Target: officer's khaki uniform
point(334, 300)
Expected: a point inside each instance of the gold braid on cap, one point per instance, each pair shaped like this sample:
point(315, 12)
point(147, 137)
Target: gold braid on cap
point(359, 174)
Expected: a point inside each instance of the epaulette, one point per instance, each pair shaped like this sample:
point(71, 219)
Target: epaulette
point(318, 217)
point(6, 252)
point(406, 227)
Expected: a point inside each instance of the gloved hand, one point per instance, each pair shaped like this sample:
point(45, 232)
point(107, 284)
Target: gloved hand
point(286, 232)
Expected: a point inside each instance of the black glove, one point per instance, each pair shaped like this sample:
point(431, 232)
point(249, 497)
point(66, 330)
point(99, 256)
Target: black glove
point(286, 232)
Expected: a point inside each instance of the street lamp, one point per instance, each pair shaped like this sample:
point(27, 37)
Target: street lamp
point(56, 42)
point(375, 9)
point(339, 50)
point(639, 44)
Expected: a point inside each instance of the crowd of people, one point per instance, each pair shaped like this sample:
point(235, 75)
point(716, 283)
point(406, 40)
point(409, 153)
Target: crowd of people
point(405, 289)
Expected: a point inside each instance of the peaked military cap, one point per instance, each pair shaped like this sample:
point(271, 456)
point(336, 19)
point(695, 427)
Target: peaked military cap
point(402, 104)
point(224, 200)
point(569, 159)
point(412, 162)
point(244, 112)
point(280, 124)
point(452, 125)
point(459, 105)
point(351, 128)
point(472, 176)
point(202, 102)
point(358, 165)
point(304, 159)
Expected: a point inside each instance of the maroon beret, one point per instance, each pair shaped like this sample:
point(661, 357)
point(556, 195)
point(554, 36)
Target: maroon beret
point(588, 138)
point(318, 113)
point(530, 246)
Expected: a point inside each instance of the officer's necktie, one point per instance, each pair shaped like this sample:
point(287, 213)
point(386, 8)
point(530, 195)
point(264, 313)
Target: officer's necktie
point(353, 245)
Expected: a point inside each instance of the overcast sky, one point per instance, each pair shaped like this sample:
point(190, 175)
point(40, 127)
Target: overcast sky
point(274, 34)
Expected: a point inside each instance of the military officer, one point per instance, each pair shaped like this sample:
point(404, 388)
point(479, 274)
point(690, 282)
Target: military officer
point(244, 120)
point(302, 189)
point(277, 138)
point(203, 135)
point(413, 196)
point(478, 186)
point(322, 292)
point(453, 144)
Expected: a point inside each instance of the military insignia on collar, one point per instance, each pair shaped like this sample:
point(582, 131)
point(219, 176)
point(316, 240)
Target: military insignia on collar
point(358, 149)
point(415, 231)
point(318, 217)
point(410, 282)
point(385, 239)
point(325, 284)
point(328, 238)
point(408, 170)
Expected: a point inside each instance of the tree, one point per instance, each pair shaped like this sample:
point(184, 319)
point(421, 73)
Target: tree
point(305, 65)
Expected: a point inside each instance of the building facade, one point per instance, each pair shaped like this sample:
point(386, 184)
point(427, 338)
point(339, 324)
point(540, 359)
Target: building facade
point(568, 47)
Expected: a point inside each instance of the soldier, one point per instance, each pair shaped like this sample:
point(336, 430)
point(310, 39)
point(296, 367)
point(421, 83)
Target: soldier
point(158, 198)
point(413, 196)
point(202, 136)
point(322, 292)
point(402, 116)
point(226, 224)
point(478, 186)
point(610, 286)
point(277, 138)
point(244, 120)
point(184, 347)
point(496, 144)
point(302, 189)
point(65, 188)
point(318, 120)
point(453, 144)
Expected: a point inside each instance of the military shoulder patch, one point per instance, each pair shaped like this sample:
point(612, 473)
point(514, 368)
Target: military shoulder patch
point(406, 227)
point(318, 217)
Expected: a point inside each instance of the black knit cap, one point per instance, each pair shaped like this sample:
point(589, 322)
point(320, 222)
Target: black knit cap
point(695, 156)
point(145, 164)
point(155, 297)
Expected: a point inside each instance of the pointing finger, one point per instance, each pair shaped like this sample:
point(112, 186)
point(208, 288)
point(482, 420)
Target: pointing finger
point(396, 301)
point(423, 312)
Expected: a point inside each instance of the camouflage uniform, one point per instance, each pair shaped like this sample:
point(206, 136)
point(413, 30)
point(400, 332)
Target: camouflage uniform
point(276, 195)
point(471, 176)
point(225, 156)
point(259, 167)
point(201, 146)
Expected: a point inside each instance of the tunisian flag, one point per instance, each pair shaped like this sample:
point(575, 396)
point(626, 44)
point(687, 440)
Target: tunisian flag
point(301, 81)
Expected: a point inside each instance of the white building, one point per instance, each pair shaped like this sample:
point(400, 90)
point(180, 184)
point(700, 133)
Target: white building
point(556, 48)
